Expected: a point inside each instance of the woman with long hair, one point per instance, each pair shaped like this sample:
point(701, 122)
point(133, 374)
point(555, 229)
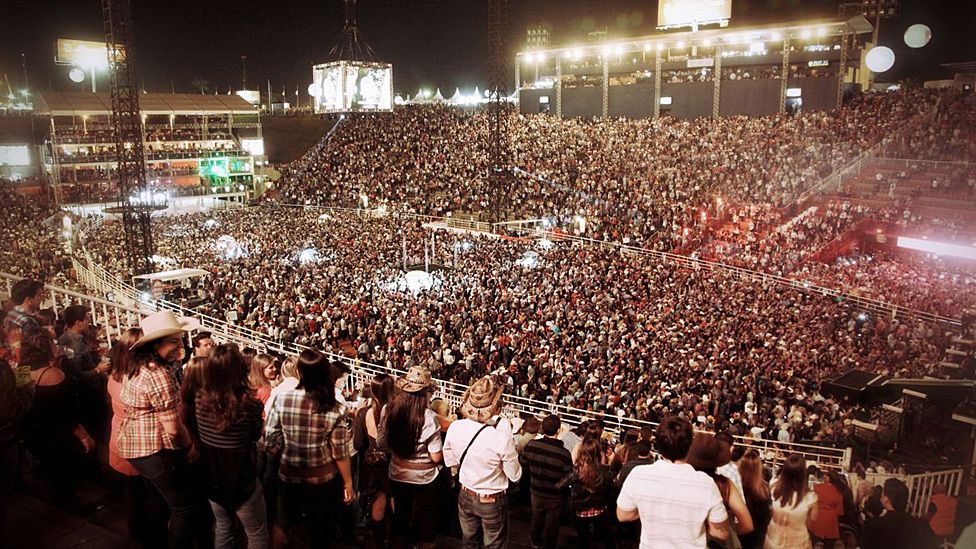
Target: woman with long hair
point(707, 454)
point(758, 499)
point(226, 419)
point(52, 431)
point(374, 474)
point(145, 514)
point(263, 375)
point(794, 507)
point(409, 429)
point(592, 486)
point(152, 437)
point(308, 427)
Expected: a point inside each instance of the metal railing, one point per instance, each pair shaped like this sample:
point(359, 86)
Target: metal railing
point(116, 316)
point(920, 486)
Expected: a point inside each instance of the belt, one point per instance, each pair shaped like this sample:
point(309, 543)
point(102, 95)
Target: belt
point(321, 471)
point(425, 466)
point(471, 492)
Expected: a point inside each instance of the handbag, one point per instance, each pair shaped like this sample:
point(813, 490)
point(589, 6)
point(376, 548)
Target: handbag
point(374, 455)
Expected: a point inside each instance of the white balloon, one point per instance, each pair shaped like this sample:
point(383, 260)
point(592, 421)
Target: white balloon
point(917, 35)
point(76, 75)
point(880, 59)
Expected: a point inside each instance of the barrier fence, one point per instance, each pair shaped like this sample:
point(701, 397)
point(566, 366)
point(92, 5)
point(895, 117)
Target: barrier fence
point(116, 317)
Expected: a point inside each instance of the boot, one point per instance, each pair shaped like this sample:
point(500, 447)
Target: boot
point(378, 529)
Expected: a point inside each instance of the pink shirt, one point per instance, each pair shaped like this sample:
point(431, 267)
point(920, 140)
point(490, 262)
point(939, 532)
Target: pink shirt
point(116, 461)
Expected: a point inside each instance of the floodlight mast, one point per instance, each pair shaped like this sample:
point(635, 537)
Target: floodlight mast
point(499, 166)
point(127, 131)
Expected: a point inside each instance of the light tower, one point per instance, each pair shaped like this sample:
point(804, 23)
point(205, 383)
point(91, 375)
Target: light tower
point(127, 130)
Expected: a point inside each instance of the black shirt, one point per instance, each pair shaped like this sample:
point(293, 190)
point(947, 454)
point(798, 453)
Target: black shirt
point(897, 530)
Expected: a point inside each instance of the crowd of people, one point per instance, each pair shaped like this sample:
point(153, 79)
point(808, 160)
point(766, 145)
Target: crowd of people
point(644, 346)
point(215, 446)
point(216, 434)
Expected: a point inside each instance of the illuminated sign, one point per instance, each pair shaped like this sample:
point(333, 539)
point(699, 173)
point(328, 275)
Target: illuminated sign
point(14, 155)
point(666, 100)
point(687, 12)
point(82, 53)
point(794, 92)
point(818, 63)
point(255, 146)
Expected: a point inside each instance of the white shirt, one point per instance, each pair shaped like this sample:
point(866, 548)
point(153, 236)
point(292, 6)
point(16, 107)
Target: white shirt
point(287, 384)
point(673, 501)
point(490, 462)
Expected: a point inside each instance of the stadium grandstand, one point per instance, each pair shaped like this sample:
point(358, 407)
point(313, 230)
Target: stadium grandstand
point(722, 293)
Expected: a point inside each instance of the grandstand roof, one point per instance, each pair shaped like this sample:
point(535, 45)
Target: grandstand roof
point(71, 103)
point(807, 31)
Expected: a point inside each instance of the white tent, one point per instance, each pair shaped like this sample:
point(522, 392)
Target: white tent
point(457, 98)
point(438, 98)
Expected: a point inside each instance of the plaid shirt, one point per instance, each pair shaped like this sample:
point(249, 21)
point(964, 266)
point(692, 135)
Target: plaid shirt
point(18, 317)
point(148, 399)
point(295, 424)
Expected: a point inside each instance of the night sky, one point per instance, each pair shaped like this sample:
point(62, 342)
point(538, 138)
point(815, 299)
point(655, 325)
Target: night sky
point(431, 43)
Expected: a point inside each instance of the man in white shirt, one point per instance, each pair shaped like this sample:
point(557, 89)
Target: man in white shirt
point(676, 505)
point(482, 447)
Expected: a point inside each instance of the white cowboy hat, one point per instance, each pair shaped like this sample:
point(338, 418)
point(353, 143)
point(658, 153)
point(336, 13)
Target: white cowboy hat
point(163, 324)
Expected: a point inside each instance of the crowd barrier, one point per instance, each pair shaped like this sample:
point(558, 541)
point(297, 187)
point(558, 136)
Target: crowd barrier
point(116, 317)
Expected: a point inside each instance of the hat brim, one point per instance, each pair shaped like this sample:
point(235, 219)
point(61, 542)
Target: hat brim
point(413, 386)
point(187, 324)
point(481, 414)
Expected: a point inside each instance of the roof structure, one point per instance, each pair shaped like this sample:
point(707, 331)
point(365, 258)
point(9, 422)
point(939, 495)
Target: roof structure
point(72, 103)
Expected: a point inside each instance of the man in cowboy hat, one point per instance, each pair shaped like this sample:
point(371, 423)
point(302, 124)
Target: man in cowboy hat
point(481, 446)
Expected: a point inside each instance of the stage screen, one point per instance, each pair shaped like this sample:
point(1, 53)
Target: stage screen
point(685, 12)
point(350, 86)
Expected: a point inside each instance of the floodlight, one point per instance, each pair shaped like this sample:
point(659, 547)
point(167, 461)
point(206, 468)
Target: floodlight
point(618, 49)
point(606, 50)
point(707, 42)
point(680, 44)
point(647, 47)
point(76, 75)
point(805, 34)
point(577, 53)
point(660, 46)
point(775, 37)
point(917, 36)
point(821, 32)
point(880, 59)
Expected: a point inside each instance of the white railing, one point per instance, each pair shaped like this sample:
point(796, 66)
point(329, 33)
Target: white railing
point(933, 164)
point(116, 317)
point(920, 486)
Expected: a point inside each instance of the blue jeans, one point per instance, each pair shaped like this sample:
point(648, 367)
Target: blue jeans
point(483, 524)
point(545, 522)
point(168, 472)
point(253, 516)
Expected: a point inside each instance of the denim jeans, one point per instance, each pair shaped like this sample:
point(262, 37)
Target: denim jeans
point(418, 504)
point(483, 524)
point(600, 529)
point(314, 505)
point(167, 471)
point(545, 522)
point(254, 518)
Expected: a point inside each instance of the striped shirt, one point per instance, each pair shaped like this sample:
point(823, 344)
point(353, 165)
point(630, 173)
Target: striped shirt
point(674, 502)
point(243, 432)
point(548, 461)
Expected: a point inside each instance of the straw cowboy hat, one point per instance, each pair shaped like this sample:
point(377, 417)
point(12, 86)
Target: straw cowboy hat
point(163, 324)
point(415, 380)
point(478, 402)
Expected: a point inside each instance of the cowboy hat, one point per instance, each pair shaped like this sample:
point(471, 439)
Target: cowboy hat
point(163, 324)
point(415, 380)
point(479, 400)
point(706, 453)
